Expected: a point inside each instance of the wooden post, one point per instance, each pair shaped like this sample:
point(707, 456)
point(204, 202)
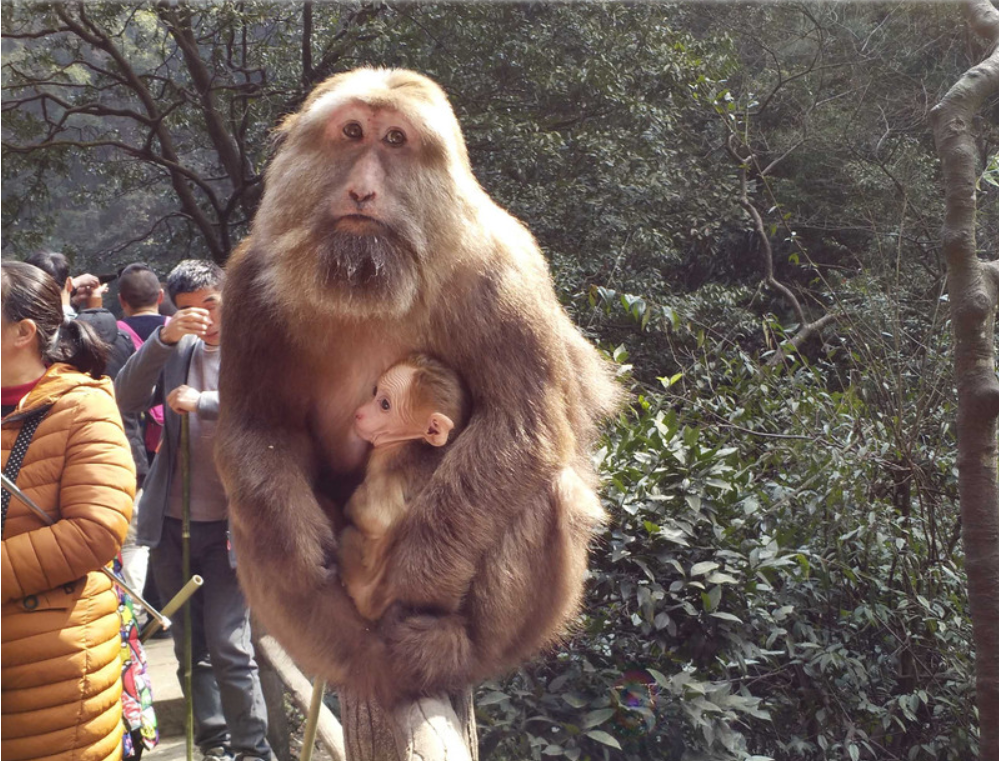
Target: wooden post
point(328, 730)
point(431, 729)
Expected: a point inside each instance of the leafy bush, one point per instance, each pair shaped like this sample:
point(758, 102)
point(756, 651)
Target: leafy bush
point(760, 591)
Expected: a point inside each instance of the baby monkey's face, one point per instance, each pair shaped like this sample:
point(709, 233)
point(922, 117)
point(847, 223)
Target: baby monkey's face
point(390, 415)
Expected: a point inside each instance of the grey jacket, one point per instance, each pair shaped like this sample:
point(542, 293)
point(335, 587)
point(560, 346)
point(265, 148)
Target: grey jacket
point(150, 374)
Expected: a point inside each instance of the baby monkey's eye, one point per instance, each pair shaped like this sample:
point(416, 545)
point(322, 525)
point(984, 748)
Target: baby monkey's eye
point(374, 390)
point(385, 405)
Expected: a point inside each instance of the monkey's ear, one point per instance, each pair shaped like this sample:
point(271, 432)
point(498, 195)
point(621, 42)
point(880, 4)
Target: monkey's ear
point(438, 429)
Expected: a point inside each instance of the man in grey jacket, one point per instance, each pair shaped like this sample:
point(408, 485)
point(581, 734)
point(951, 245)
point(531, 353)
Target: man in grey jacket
point(179, 365)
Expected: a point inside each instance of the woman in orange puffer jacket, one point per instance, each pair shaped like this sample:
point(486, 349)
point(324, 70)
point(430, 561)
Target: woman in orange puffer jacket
point(61, 639)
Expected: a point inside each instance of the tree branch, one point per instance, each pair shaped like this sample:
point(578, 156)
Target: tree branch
point(178, 23)
point(306, 43)
point(761, 233)
point(973, 298)
point(88, 32)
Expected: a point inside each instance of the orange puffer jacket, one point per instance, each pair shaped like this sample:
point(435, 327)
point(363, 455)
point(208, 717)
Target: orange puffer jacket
point(61, 672)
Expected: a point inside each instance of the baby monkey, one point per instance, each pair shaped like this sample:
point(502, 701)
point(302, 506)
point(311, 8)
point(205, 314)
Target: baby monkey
point(418, 406)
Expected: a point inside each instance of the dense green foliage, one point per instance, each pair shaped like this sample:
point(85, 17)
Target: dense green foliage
point(782, 576)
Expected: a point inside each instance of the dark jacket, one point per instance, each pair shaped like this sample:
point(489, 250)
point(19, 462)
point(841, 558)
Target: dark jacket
point(151, 373)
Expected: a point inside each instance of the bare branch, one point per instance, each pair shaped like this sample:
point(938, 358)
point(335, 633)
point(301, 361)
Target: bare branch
point(973, 297)
point(89, 32)
point(761, 232)
point(178, 22)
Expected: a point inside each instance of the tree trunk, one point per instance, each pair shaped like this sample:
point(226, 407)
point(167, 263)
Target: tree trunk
point(432, 729)
point(973, 287)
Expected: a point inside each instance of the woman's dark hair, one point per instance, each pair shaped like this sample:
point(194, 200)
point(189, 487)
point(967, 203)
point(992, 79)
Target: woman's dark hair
point(28, 293)
point(53, 262)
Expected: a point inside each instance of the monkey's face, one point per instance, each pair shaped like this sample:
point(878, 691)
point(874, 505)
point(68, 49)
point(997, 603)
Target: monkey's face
point(370, 232)
point(390, 416)
point(362, 197)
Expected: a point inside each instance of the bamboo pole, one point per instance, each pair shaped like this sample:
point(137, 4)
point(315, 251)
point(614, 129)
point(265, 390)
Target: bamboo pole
point(185, 475)
point(173, 606)
point(312, 722)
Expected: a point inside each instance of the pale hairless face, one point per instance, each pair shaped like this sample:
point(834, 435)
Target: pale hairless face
point(391, 416)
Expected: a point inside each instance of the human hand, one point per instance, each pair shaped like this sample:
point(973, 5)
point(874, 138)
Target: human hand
point(183, 399)
point(192, 321)
point(85, 280)
point(88, 292)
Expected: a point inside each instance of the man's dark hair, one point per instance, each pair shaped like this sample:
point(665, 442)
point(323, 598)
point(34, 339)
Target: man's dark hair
point(53, 262)
point(138, 286)
point(192, 275)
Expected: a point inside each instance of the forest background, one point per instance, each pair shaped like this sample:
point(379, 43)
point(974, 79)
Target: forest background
point(742, 205)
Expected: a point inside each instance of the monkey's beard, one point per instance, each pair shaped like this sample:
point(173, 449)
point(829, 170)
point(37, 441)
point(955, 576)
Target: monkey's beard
point(378, 268)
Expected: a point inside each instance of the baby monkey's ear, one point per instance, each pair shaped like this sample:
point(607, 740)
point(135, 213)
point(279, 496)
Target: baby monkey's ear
point(438, 429)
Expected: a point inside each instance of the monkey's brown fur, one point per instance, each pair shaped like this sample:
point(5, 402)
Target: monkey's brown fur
point(487, 564)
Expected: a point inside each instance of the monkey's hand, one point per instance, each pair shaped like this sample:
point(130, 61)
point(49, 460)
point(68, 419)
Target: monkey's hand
point(276, 517)
point(428, 653)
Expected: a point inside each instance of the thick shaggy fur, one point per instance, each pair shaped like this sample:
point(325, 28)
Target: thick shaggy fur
point(487, 565)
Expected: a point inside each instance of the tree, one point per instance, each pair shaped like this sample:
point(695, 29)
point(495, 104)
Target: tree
point(973, 285)
point(174, 100)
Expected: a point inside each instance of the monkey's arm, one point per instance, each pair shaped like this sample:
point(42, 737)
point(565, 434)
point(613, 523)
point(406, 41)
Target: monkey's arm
point(268, 460)
point(287, 548)
point(517, 440)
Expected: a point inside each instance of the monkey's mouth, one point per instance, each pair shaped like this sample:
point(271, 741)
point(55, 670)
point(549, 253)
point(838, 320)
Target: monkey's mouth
point(363, 252)
point(359, 224)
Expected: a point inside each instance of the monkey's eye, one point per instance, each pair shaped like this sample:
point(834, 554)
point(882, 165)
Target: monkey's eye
point(385, 405)
point(353, 130)
point(395, 137)
point(374, 390)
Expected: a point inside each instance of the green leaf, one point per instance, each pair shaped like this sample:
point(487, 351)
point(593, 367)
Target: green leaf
point(491, 698)
point(711, 599)
point(726, 616)
point(596, 718)
point(699, 569)
point(602, 737)
point(660, 678)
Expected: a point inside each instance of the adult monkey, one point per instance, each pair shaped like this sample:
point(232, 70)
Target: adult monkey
point(374, 241)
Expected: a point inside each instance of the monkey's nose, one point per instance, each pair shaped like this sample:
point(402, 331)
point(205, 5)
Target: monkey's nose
point(361, 198)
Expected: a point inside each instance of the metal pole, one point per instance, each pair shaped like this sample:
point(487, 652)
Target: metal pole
point(185, 475)
point(161, 619)
point(312, 722)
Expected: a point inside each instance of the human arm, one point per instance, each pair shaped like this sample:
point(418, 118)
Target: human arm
point(135, 384)
point(88, 292)
point(95, 493)
point(184, 399)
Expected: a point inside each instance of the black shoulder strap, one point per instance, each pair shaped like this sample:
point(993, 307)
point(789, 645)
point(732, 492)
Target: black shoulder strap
point(13, 466)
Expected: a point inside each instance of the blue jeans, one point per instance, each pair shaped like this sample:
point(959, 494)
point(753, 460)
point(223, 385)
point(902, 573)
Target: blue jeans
point(229, 707)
